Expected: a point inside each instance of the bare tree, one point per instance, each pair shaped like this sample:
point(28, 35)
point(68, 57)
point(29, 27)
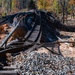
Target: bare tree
point(63, 4)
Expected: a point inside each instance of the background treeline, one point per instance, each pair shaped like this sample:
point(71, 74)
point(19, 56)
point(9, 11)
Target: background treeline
point(15, 5)
point(59, 7)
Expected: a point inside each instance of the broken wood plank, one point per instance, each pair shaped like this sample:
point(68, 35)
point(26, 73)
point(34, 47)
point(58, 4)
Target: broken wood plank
point(14, 49)
point(9, 67)
point(6, 39)
point(10, 72)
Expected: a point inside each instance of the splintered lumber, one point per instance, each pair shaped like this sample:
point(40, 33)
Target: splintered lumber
point(9, 18)
point(14, 49)
point(9, 67)
point(45, 24)
point(33, 36)
point(6, 39)
point(9, 72)
point(50, 26)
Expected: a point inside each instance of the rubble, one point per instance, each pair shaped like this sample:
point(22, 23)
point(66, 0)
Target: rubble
point(44, 63)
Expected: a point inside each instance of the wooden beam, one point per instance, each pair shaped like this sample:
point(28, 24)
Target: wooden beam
point(9, 72)
point(6, 39)
point(14, 49)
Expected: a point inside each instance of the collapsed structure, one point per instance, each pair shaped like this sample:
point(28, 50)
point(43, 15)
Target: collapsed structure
point(49, 25)
point(40, 26)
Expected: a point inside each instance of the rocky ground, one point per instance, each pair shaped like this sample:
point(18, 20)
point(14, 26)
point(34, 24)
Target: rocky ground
point(44, 62)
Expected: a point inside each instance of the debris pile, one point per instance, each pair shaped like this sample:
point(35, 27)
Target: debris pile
point(37, 25)
point(50, 26)
point(36, 63)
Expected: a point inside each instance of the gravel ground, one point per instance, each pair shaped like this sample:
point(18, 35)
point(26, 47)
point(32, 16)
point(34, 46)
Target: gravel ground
point(43, 62)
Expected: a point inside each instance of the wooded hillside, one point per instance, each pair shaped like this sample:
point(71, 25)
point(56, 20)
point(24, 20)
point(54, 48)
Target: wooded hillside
point(58, 7)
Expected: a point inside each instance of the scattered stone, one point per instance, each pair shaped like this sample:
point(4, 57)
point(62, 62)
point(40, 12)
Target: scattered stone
point(36, 63)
